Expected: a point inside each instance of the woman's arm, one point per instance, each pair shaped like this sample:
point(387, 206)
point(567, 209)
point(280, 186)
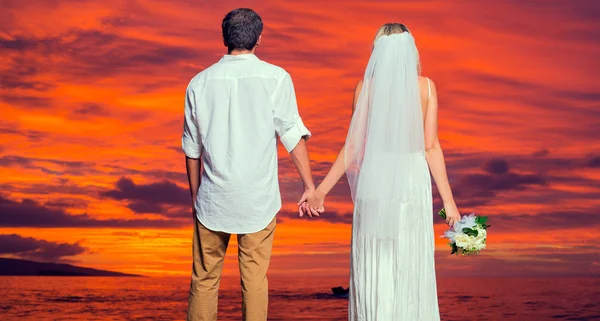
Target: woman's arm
point(435, 158)
point(338, 169)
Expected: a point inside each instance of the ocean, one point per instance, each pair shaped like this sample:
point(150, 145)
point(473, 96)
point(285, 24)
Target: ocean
point(308, 298)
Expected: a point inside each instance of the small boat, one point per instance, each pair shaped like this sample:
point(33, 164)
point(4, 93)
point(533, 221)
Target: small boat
point(340, 291)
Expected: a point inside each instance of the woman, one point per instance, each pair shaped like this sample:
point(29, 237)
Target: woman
point(391, 141)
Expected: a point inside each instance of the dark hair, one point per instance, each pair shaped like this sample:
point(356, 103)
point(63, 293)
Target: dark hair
point(241, 29)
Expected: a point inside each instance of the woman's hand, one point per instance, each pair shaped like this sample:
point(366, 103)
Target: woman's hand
point(316, 201)
point(452, 213)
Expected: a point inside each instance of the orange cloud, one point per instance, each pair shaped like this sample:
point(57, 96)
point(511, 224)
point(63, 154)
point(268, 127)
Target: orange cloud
point(92, 101)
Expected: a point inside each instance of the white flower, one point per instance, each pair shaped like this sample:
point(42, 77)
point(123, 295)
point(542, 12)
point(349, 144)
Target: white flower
point(461, 240)
point(471, 243)
point(457, 227)
point(450, 234)
point(468, 221)
point(466, 244)
point(481, 234)
point(478, 243)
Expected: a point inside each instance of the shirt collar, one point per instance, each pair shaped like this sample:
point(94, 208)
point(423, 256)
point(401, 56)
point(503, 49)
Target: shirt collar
point(243, 57)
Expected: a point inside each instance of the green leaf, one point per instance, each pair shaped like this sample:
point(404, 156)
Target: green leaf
point(454, 248)
point(470, 232)
point(481, 219)
point(442, 213)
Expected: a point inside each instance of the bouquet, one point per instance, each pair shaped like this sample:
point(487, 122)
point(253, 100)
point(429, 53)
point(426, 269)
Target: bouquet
point(468, 235)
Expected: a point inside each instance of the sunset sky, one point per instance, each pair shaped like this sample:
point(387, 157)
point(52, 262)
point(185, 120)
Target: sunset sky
point(92, 172)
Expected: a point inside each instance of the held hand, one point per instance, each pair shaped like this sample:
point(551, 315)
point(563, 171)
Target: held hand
point(307, 210)
point(302, 202)
point(314, 198)
point(315, 201)
point(452, 213)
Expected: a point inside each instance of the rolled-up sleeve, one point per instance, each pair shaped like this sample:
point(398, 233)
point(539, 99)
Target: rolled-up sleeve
point(287, 121)
point(190, 142)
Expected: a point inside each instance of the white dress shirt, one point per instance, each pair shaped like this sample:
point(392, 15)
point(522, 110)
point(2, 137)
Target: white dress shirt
point(234, 111)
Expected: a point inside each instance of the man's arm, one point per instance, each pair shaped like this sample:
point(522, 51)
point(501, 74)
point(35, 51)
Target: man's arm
point(302, 162)
point(194, 170)
point(292, 132)
point(191, 145)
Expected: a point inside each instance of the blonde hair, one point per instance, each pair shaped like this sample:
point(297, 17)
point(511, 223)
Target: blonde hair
point(395, 28)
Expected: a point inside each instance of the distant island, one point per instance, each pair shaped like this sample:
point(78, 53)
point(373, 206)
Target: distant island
point(17, 267)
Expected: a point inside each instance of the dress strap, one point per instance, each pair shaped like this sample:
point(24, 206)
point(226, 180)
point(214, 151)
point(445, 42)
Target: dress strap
point(428, 88)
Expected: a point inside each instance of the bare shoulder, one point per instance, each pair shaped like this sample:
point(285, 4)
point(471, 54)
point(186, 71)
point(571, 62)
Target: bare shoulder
point(427, 88)
point(425, 83)
point(358, 87)
point(432, 84)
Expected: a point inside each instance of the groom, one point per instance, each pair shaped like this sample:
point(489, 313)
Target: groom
point(234, 110)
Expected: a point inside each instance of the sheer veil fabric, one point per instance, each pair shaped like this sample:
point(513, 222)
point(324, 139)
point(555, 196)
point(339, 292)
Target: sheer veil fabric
point(387, 122)
point(392, 266)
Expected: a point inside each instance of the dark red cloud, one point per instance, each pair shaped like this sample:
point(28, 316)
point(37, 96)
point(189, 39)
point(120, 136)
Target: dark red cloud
point(28, 213)
point(164, 192)
point(31, 248)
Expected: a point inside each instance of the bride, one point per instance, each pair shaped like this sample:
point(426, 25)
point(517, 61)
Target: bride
point(391, 141)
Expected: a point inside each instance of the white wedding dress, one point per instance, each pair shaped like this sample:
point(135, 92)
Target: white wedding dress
point(392, 267)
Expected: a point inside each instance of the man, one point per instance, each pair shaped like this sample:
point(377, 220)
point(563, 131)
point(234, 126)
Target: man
point(234, 111)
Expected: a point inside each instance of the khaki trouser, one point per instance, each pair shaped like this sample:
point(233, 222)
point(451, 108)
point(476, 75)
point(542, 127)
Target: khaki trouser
point(254, 255)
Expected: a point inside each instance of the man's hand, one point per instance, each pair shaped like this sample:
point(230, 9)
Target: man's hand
point(301, 203)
